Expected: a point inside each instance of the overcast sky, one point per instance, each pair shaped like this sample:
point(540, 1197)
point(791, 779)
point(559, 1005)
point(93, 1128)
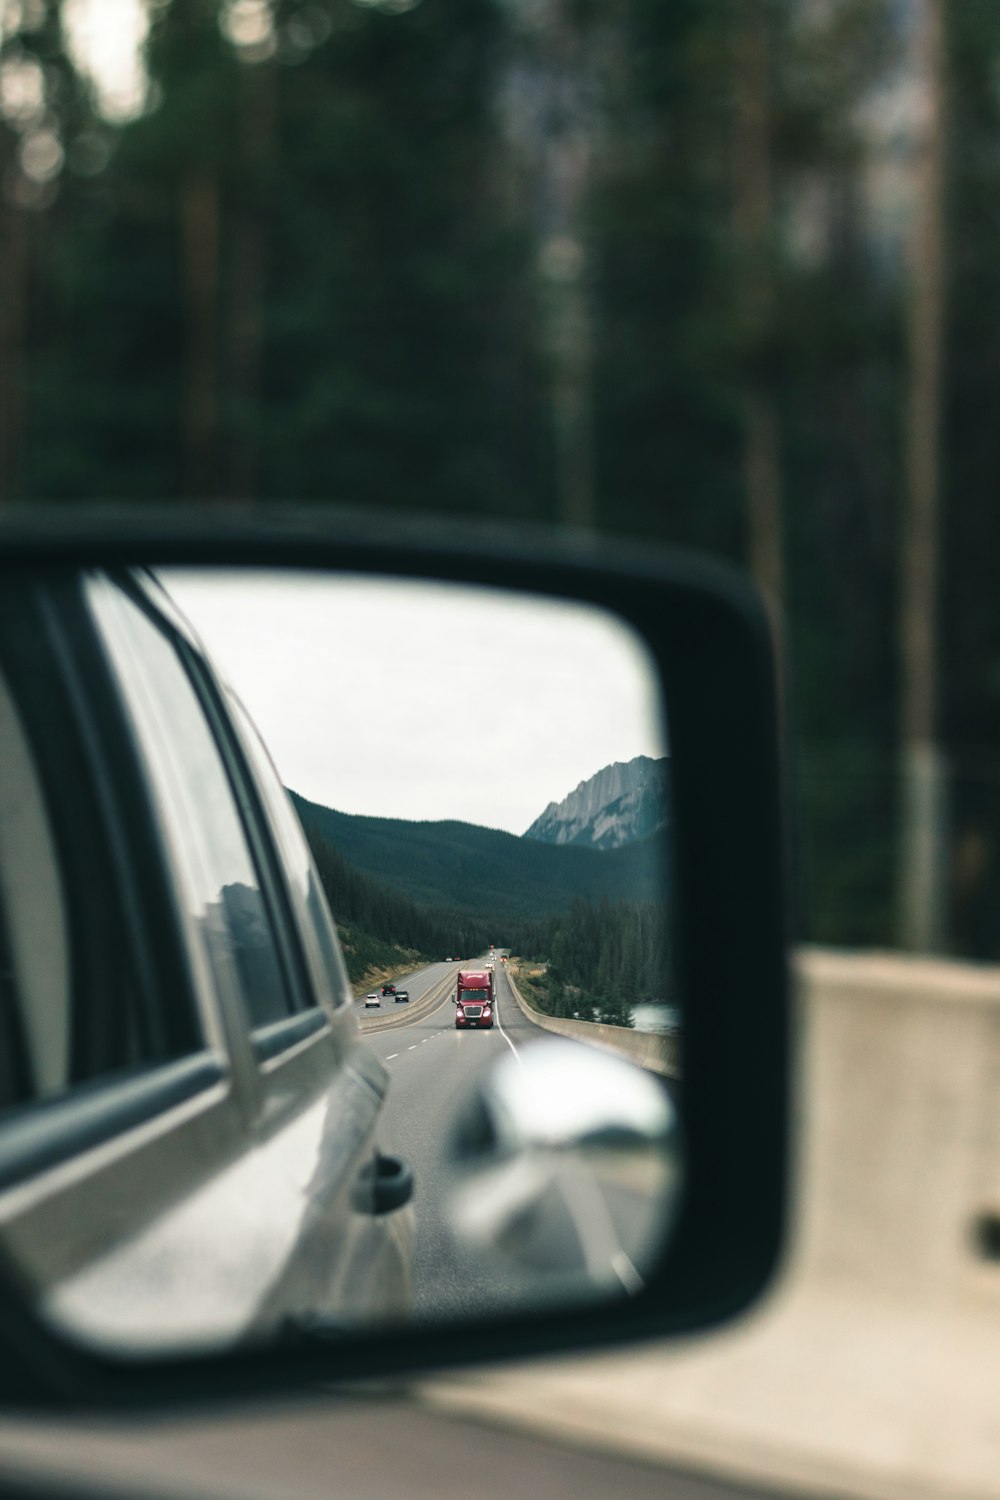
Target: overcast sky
point(425, 700)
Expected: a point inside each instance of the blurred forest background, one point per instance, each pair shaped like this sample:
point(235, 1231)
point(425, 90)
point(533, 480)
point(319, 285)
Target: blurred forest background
point(723, 273)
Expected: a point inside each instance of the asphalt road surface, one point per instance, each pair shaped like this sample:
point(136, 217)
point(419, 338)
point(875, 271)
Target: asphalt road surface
point(419, 984)
point(591, 1238)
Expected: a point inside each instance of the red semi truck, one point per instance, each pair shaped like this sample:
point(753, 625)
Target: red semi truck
point(473, 999)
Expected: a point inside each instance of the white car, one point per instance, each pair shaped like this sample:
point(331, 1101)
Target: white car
point(372, 1000)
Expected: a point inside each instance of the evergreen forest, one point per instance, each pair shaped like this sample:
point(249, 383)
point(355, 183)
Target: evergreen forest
point(599, 955)
point(719, 273)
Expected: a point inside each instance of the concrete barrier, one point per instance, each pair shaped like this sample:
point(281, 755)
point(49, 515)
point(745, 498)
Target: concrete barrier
point(871, 1371)
point(656, 1050)
point(901, 1150)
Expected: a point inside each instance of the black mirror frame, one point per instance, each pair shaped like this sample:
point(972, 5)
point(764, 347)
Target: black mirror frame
point(710, 638)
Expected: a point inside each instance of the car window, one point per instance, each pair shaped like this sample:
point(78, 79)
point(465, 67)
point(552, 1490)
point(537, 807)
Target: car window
point(219, 883)
point(35, 1008)
point(73, 1003)
point(326, 963)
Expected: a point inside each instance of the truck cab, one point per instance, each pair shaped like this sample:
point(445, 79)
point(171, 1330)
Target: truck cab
point(474, 1000)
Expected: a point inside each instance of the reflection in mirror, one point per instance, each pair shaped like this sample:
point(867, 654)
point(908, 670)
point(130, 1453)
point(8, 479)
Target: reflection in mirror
point(564, 1160)
point(229, 1115)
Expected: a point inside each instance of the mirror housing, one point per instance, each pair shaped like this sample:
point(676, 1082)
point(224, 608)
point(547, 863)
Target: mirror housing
point(708, 635)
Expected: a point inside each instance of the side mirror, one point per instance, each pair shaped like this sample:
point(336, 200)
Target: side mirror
point(208, 1143)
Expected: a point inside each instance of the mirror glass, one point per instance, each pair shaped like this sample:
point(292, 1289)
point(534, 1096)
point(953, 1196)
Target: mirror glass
point(335, 918)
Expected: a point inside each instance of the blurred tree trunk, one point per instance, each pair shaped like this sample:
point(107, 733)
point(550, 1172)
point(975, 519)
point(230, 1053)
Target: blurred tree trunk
point(249, 258)
point(754, 225)
point(14, 272)
point(551, 125)
point(200, 398)
point(567, 310)
point(923, 828)
point(570, 345)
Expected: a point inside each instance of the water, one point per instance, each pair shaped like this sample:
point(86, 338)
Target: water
point(656, 1017)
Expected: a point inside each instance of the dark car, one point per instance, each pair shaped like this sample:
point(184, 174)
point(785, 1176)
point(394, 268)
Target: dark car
point(388, 989)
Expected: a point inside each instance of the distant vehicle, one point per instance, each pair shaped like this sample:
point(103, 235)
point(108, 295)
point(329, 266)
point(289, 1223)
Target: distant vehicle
point(372, 999)
point(474, 999)
point(388, 989)
point(401, 995)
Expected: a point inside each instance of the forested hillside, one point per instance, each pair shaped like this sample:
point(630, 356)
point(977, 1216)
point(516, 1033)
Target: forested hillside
point(482, 871)
point(380, 927)
point(600, 956)
point(600, 959)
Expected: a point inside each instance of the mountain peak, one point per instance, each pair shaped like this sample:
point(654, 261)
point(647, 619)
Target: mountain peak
point(622, 802)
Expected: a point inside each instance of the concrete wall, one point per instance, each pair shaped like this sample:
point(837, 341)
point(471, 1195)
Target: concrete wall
point(659, 1051)
point(900, 1100)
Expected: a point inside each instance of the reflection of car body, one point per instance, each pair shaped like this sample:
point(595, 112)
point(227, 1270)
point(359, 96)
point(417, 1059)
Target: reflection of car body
point(401, 995)
point(178, 1040)
point(474, 1000)
point(372, 1000)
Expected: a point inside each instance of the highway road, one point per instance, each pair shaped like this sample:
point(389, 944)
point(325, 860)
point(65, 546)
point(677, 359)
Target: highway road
point(420, 983)
point(435, 1072)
